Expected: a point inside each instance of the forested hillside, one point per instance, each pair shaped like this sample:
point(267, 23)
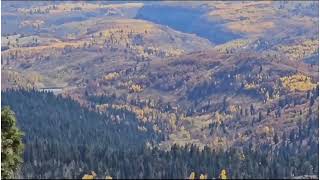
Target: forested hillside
point(63, 139)
point(58, 131)
point(163, 89)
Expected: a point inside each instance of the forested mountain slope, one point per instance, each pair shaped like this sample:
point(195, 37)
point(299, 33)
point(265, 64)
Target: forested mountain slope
point(58, 131)
point(63, 139)
point(132, 80)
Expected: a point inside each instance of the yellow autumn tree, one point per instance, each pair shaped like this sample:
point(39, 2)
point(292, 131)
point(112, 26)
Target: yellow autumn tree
point(192, 175)
point(203, 176)
point(111, 76)
point(223, 174)
point(108, 177)
point(298, 82)
point(136, 88)
point(87, 176)
point(90, 176)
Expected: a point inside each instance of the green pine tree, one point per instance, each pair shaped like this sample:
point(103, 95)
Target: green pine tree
point(11, 144)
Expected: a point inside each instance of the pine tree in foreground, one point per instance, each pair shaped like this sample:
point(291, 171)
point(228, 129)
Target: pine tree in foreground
point(11, 144)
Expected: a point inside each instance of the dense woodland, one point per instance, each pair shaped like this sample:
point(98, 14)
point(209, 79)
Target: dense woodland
point(145, 95)
point(63, 139)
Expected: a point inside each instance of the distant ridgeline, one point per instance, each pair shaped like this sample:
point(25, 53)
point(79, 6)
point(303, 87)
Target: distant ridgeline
point(65, 140)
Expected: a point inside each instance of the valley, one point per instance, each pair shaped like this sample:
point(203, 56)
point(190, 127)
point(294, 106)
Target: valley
point(207, 75)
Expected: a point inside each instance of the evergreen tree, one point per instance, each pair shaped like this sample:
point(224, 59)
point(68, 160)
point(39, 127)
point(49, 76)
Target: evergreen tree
point(11, 144)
